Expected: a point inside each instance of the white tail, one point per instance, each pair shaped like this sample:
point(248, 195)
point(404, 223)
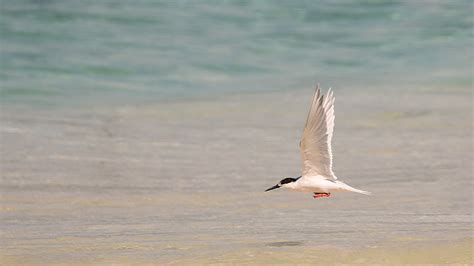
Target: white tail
point(349, 188)
point(360, 191)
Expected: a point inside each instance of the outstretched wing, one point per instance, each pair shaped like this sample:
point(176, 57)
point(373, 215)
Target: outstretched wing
point(315, 143)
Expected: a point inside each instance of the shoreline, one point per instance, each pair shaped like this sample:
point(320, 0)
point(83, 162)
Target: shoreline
point(227, 96)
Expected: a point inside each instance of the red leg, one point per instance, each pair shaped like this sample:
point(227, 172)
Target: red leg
point(320, 195)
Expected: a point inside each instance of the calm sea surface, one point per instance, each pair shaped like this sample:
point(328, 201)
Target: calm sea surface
point(69, 52)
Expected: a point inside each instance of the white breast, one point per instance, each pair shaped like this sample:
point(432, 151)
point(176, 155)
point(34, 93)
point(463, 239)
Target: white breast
point(318, 184)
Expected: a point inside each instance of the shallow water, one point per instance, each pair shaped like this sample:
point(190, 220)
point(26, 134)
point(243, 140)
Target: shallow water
point(166, 182)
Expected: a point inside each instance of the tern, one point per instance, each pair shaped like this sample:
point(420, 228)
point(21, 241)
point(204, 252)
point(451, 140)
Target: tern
point(316, 153)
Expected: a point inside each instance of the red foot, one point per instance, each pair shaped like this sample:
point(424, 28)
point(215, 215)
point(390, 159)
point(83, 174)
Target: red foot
point(320, 195)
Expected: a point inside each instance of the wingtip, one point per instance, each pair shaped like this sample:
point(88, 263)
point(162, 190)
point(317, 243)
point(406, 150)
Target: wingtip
point(329, 93)
point(317, 90)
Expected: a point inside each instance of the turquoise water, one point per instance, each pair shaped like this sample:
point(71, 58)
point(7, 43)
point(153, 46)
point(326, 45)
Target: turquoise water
point(69, 52)
point(136, 180)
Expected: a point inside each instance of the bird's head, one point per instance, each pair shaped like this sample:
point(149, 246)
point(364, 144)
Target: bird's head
point(285, 182)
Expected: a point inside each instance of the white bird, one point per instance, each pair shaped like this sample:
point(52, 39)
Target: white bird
point(316, 153)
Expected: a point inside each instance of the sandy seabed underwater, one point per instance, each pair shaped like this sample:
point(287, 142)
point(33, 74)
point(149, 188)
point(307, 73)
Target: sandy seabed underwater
point(183, 182)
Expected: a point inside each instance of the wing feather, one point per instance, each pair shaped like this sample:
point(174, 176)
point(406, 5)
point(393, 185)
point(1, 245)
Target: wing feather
point(315, 145)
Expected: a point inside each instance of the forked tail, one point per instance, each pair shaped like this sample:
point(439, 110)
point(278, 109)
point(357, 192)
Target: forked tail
point(349, 188)
point(360, 191)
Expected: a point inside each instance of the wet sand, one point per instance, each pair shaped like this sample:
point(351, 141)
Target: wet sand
point(183, 182)
point(459, 252)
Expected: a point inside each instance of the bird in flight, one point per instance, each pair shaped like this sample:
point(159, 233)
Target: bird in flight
point(316, 153)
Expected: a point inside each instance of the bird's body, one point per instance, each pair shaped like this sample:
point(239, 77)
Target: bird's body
point(321, 185)
point(316, 153)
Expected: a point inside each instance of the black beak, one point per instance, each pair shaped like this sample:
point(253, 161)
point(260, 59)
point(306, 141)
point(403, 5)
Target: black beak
point(276, 186)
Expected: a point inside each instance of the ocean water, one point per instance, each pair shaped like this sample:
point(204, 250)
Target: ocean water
point(76, 52)
point(147, 131)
